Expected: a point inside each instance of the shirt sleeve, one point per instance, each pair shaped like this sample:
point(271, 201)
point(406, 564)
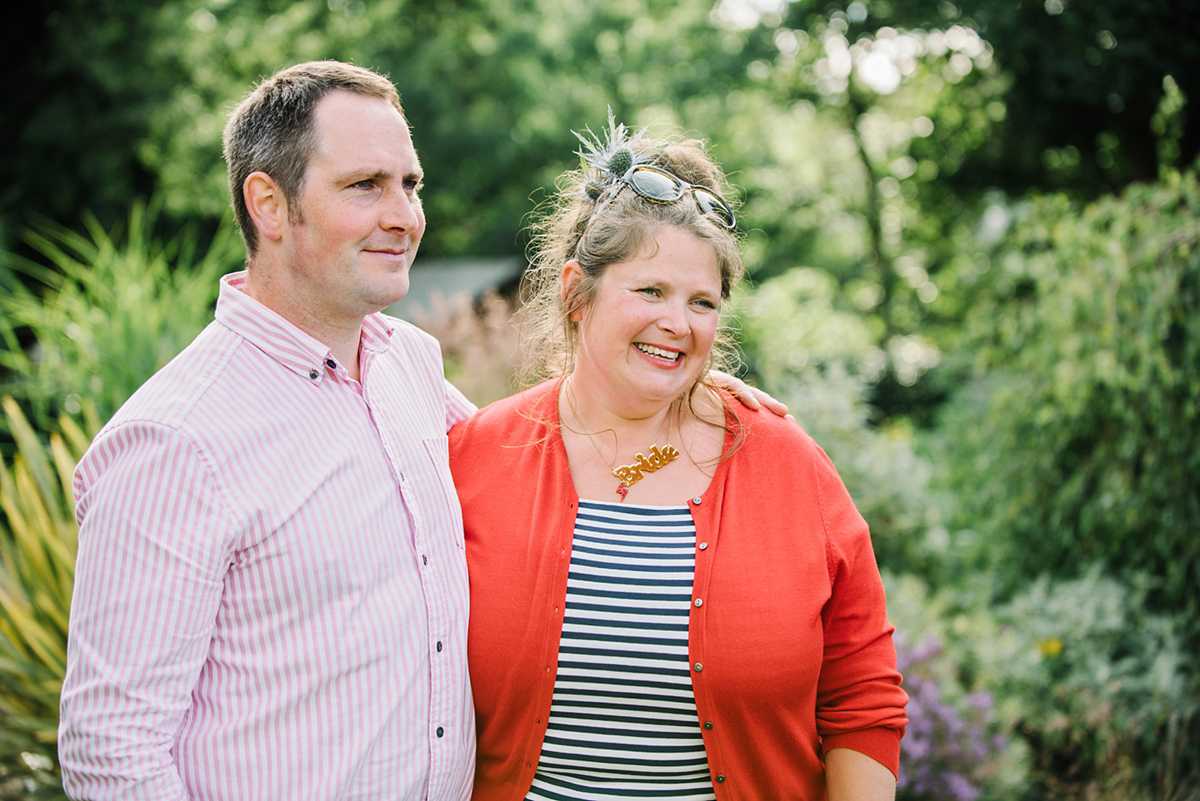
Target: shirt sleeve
point(458, 408)
point(860, 704)
point(154, 546)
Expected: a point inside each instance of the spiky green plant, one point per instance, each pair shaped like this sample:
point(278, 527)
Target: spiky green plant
point(37, 567)
point(96, 314)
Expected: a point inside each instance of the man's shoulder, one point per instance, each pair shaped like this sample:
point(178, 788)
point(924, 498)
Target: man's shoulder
point(171, 394)
point(406, 333)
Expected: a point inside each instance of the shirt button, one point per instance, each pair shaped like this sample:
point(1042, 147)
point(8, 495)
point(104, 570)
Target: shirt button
point(424, 559)
point(313, 374)
point(699, 602)
point(440, 731)
point(708, 724)
point(439, 646)
point(703, 546)
point(331, 364)
point(697, 667)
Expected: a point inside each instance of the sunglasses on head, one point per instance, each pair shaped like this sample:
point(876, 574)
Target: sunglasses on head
point(659, 186)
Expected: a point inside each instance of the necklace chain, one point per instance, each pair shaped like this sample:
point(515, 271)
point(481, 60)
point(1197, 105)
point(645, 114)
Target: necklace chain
point(628, 474)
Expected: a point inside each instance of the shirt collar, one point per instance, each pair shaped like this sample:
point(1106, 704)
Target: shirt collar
point(283, 341)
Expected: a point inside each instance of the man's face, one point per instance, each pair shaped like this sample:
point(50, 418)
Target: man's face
point(359, 222)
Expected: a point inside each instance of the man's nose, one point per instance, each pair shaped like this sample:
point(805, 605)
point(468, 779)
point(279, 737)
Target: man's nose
point(403, 212)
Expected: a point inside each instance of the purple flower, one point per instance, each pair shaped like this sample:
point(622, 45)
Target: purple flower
point(944, 751)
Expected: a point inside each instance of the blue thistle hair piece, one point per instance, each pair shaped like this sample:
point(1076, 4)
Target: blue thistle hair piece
point(608, 156)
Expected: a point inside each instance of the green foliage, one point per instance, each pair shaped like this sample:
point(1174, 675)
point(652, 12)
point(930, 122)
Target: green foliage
point(37, 568)
point(819, 360)
point(1092, 685)
point(1079, 442)
point(114, 308)
point(1101, 683)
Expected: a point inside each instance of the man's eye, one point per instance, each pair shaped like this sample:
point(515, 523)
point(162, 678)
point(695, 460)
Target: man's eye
point(366, 183)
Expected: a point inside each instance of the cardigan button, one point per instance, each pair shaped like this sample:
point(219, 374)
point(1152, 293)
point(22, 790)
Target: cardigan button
point(703, 546)
point(721, 778)
point(699, 602)
point(696, 500)
point(697, 667)
point(708, 724)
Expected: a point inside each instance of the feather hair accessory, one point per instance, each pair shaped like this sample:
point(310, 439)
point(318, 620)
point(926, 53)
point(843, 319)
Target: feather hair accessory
point(607, 158)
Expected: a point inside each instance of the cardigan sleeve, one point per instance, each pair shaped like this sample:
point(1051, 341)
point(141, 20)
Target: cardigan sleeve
point(860, 704)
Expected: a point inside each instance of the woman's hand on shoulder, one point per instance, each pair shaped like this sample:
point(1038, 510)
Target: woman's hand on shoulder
point(748, 396)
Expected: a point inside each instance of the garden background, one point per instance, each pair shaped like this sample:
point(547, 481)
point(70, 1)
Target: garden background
point(972, 231)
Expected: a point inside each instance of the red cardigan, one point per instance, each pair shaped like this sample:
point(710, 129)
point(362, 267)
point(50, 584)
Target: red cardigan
point(788, 636)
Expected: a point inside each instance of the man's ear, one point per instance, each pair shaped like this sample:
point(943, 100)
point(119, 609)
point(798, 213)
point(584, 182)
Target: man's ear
point(572, 274)
point(266, 204)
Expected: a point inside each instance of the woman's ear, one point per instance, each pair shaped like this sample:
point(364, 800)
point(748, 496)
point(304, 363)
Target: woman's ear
point(266, 204)
point(572, 274)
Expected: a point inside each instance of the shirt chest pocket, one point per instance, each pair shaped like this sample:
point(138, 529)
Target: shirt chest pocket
point(435, 488)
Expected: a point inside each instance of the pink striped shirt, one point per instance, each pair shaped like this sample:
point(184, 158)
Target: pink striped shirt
point(271, 591)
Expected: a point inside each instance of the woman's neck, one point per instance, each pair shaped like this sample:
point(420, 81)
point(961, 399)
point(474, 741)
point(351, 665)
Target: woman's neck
point(586, 410)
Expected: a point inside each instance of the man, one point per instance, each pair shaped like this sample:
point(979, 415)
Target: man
point(271, 594)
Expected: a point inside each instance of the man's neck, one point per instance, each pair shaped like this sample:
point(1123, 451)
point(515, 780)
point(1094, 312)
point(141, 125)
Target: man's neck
point(341, 334)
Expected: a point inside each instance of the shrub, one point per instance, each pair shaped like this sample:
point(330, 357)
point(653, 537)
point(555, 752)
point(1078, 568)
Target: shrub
point(1079, 439)
point(1091, 686)
point(1103, 685)
point(113, 308)
point(960, 743)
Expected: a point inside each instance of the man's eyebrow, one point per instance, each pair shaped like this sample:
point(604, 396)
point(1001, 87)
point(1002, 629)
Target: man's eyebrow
point(364, 174)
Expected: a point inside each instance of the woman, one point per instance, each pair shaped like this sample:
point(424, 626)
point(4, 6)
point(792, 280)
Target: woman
point(671, 596)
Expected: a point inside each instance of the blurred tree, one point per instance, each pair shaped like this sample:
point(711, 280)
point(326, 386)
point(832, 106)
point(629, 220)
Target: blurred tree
point(493, 88)
point(1086, 82)
point(1088, 79)
point(83, 90)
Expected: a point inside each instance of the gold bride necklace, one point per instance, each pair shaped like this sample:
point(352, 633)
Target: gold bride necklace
point(628, 474)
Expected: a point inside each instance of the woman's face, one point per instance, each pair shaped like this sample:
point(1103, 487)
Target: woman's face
point(645, 337)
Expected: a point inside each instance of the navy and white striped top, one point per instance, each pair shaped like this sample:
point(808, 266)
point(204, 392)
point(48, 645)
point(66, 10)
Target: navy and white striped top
point(623, 720)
